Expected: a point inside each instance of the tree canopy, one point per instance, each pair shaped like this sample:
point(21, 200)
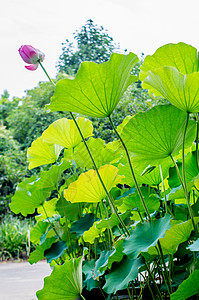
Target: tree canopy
point(91, 43)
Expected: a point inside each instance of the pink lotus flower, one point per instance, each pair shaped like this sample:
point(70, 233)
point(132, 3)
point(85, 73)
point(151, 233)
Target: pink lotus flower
point(31, 56)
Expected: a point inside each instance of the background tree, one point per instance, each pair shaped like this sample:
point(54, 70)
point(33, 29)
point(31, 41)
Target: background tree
point(92, 43)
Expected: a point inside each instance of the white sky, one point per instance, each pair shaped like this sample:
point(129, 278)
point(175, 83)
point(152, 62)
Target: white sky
point(138, 25)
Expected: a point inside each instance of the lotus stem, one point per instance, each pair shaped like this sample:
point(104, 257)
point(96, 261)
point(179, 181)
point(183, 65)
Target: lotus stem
point(131, 168)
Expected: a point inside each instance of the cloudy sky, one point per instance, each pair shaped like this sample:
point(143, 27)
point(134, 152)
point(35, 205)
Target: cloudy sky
point(139, 26)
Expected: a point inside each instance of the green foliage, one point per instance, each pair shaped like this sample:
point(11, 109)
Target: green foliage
point(15, 238)
point(126, 229)
point(92, 44)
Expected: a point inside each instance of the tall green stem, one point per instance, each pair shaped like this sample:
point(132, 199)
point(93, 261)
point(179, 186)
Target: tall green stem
point(53, 227)
point(165, 198)
point(109, 225)
point(184, 177)
point(154, 282)
point(165, 268)
point(111, 202)
point(131, 168)
point(46, 73)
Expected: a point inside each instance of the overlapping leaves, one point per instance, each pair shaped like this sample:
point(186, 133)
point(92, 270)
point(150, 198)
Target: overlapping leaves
point(172, 72)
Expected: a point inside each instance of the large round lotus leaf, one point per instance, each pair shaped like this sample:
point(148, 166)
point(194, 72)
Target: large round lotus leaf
point(42, 153)
point(65, 282)
point(179, 89)
point(64, 132)
point(154, 135)
point(181, 56)
point(96, 89)
point(88, 187)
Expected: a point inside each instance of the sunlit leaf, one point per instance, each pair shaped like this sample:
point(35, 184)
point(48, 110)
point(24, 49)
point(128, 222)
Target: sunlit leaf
point(26, 198)
point(49, 208)
point(88, 187)
point(38, 230)
point(101, 154)
point(64, 132)
point(188, 287)
point(64, 283)
point(145, 235)
point(49, 179)
point(100, 226)
point(42, 153)
point(155, 134)
point(181, 56)
point(179, 89)
point(96, 89)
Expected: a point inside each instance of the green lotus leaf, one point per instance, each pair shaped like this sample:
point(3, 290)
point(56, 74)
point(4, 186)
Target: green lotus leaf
point(104, 255)
point(87, 269)
point(155, 134)
point(102, 154)
point(71, 210)
point(64, 132)
point(27, 198)
point(88, 187)
point(145, 235)
point(115, 255)
point(38, 230)
point(179, 89)
point(152, 178)
point(64, 283)
point(181, 56)
point(49, 208)
point(121, 274)
point(93, 232)
point(194, 246)
point(49, 179)
point(188, 287)
point(42, 153)
point(96, 89)
point(177, 234)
